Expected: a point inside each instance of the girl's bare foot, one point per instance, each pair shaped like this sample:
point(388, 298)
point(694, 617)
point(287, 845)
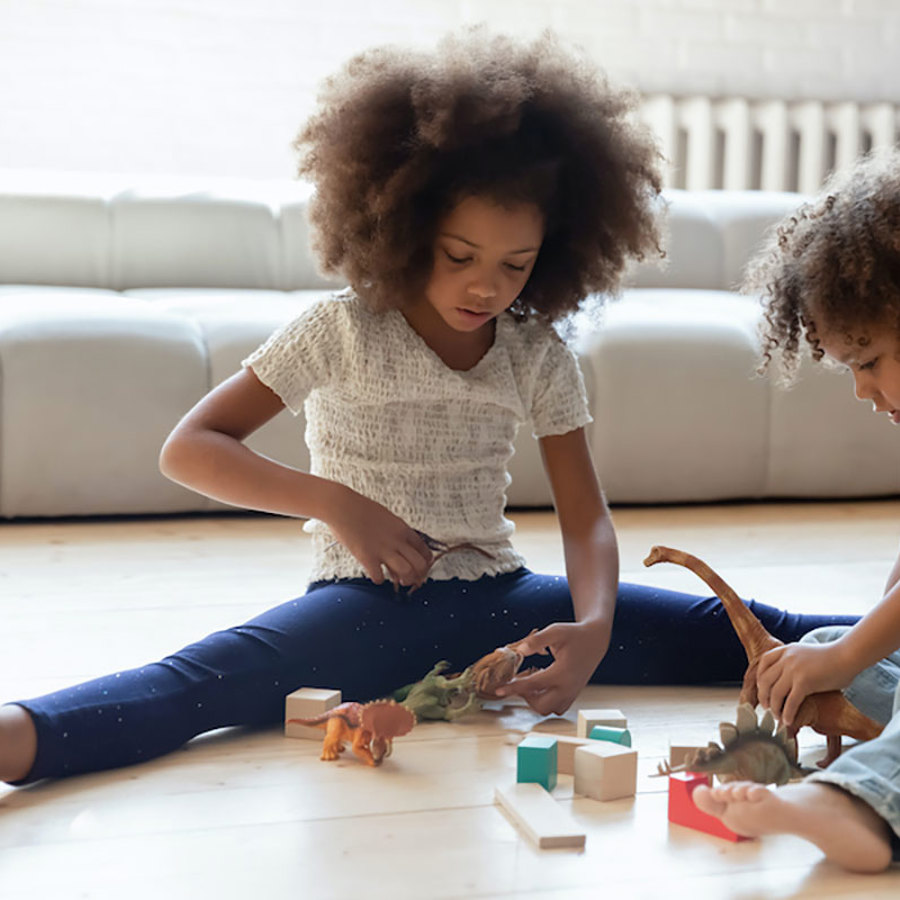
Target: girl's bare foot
point(18, 743)
point(846, 829)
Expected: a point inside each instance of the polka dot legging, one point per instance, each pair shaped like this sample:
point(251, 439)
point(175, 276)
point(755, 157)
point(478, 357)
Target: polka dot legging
point(368, 641)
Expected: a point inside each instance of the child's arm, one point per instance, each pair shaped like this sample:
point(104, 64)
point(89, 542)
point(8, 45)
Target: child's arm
point(787, 675)
point(205, 452)
point(592, 566)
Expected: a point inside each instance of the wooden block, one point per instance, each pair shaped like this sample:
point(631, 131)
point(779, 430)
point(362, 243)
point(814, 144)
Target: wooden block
point(536, 760)
point(615, 735)
point(678, 753)
point(605, 771)
point(565, 751)
point(304, 704)
point(590, 718)
point(682, 810)
point(537, 815)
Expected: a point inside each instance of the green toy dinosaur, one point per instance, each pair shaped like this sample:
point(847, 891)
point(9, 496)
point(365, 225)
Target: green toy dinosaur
point(750, 751)
point(438, 697)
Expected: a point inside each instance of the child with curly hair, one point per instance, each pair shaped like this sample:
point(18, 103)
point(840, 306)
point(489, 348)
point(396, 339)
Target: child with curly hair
point(472, 197)
point(831, 277)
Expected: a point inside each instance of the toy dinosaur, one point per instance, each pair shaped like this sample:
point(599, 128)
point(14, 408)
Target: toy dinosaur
point(750, 751)
point(827, 712)
point(439, 549)
point(437, 696)
point(371, 728)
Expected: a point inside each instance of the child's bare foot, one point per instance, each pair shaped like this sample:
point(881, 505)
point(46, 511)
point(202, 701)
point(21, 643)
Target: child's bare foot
point(846, 829)
point(18, 743)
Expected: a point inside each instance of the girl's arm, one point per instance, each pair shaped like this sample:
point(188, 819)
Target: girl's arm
point(592, 566)
point(787, 675)
point(206, 453)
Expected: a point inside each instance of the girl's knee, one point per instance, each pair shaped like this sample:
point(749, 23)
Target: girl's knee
point(825, 635)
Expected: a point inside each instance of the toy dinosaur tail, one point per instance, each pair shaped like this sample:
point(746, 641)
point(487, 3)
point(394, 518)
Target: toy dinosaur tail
point(755, 639)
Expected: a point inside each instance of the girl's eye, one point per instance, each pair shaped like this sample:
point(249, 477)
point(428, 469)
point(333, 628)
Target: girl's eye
point(868, 365)
point(515, 268)
point(456, 259)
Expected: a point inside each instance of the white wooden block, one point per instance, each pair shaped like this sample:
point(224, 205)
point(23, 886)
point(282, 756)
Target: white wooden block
point(679, 753)
point(306, 703)
point(538, 816)
point(605, 771)
point(588, 718)
point(565, 750)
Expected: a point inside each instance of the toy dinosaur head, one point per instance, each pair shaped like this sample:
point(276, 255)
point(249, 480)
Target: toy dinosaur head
point(385, 720)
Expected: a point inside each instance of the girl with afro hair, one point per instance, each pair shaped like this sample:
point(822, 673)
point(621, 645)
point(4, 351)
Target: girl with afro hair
point(830, 280)
point(471, 197)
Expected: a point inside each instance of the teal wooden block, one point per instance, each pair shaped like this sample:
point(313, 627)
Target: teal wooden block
point(536, 761)
point(606, 733)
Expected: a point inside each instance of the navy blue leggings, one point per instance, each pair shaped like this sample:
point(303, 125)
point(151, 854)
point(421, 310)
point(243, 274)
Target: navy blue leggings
point(367, 641)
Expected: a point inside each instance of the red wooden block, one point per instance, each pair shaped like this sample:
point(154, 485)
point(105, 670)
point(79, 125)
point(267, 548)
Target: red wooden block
point(682, 810)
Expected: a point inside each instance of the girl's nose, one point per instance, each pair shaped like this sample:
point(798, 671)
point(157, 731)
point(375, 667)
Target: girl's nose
point(483, 288)
point(863, 386)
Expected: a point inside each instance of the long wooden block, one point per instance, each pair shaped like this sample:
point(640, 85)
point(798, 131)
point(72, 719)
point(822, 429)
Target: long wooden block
point(589, 718)
point(305, 703)
point(566, 745)
point(538, 816)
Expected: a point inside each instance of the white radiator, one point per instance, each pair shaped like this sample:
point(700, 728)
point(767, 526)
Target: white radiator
point(736, 143)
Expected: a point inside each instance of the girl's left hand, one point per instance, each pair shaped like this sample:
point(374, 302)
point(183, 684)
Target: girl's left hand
point(787, 675)
point(577, 649)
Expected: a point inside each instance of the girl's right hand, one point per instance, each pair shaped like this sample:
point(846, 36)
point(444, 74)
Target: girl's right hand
point(381, 541)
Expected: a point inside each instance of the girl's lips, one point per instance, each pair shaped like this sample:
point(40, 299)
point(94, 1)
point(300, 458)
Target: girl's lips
point(473, 316)
point(895, 416)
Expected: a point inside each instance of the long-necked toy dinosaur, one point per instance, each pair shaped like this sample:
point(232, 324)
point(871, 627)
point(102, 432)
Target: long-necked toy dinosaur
point(827, 712)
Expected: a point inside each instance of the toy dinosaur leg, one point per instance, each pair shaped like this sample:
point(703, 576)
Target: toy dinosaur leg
point(834, 751)
point(333, 745)
point(360, 746)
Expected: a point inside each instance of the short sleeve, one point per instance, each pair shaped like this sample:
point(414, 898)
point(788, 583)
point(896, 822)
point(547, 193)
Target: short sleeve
point(560, 402)
point(304, 354)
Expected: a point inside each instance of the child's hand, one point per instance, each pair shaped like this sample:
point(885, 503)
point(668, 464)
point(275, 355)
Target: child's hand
point(577, 648)
point(380, 540)
point(787, 675)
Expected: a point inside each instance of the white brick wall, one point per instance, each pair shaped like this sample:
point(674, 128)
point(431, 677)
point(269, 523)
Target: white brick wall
point(220, 86)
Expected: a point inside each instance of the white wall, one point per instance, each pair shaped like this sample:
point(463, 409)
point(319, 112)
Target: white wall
point(220, 86)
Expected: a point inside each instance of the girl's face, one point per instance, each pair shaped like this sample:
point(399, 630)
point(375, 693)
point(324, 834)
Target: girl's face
point(483, 256)
point(873, 358)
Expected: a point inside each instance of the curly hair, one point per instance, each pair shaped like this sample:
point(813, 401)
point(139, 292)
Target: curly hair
point(401, 136)
point(833, 265)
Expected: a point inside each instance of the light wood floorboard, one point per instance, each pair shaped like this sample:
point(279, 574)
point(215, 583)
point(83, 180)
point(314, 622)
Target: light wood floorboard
point(237, 815)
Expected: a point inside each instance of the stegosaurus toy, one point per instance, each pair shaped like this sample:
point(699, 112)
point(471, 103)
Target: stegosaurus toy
point(750, 751)
point(370, 727)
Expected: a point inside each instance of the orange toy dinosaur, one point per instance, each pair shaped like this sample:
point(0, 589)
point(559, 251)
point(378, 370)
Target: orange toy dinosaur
point(371, 729)
point(827, 712)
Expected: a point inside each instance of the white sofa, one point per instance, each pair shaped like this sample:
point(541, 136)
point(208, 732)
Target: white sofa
point(123, 301)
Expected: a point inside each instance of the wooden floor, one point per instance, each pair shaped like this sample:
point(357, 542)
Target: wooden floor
point(238, 815)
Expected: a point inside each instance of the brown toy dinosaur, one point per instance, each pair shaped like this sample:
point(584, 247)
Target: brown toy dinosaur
point(827, 712)
point(371, 729)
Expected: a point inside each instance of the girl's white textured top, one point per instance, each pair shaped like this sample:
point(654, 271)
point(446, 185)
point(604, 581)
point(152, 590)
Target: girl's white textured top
point(387, 417)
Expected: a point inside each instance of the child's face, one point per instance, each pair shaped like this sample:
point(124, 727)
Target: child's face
point(873, 358)
point(483, 256)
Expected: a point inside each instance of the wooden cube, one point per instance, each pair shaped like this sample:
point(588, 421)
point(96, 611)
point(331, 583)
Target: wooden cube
point(605, 771)
point(679, 753)
point(566, 746)
point(536, 761)
point(590, 718)
point(682, 810)
point(306, 703)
